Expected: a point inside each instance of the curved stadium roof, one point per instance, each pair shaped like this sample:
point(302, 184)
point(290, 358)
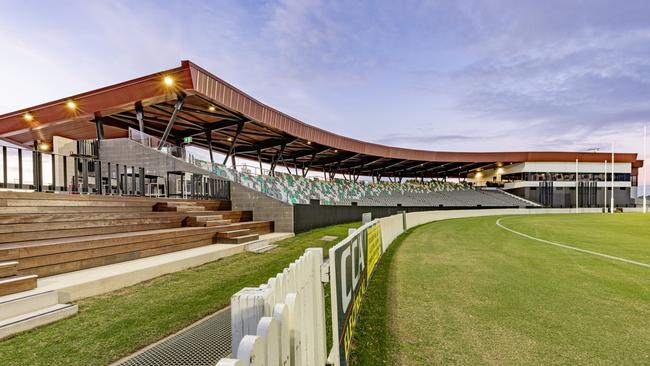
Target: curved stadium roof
point(214, 112)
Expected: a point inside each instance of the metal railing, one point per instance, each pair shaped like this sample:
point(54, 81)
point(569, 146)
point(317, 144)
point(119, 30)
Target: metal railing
point(44, 171)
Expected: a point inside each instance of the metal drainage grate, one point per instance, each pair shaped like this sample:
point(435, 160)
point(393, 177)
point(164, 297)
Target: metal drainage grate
point(203, 343)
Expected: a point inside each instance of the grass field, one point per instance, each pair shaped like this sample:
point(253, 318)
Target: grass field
point(468, 292)
point(114, 325)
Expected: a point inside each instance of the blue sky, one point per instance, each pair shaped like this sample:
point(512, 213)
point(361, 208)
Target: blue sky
point(438, 75)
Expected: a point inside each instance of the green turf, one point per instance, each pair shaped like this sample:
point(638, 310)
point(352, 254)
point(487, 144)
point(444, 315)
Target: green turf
point(467, 292)
point(114, 325)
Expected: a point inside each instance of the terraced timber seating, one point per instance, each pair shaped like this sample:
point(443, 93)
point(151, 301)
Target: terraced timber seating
point(43, 234)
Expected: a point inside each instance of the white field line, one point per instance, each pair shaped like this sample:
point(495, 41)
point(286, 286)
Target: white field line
point(573, 248)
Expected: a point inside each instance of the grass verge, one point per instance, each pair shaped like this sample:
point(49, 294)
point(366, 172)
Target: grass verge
point(119, 323)
point(373, 342)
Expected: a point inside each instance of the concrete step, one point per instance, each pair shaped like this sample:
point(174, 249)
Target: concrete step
point(233, 233)
point(238, 239)
point(8, 269)
point(27, 304)
point(21, 323)
point(263, 249)
point(14, 284)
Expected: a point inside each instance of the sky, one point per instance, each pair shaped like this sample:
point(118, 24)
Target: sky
point(490, 75)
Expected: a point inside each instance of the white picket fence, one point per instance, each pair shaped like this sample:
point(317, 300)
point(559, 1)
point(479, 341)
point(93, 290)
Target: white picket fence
point(281, 322)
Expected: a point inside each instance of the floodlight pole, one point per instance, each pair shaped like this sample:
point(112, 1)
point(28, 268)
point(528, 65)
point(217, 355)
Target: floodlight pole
point(645, 169)
point(612, 195)
point(577, 186)
point(605, 187)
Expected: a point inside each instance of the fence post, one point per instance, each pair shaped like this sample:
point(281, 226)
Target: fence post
point(84, 174)
point(98, 177)
point(65, 173)
point(141, 178)
point(269, 329)
point(320, 334)
point(293, 302)
point(53, 157)
point(4, 167)
point(20, 168)
point(252, 350)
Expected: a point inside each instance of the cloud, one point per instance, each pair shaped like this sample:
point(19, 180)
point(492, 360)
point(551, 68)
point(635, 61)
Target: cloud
point(462, 75)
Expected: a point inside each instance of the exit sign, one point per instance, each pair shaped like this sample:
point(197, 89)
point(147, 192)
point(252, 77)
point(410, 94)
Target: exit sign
point(187, 140)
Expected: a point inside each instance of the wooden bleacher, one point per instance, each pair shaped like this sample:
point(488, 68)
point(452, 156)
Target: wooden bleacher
point(43, 234)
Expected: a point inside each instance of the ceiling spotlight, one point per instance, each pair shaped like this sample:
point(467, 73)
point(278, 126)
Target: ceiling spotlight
point(212, 108)
point(336, 151)
point(28, 117)
point(168, 80)
point(43, 146)
point(308, 142)
point(71, 105)
point(229, 138)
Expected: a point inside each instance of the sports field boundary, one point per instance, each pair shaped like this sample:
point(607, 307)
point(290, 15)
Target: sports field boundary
point(565, 246)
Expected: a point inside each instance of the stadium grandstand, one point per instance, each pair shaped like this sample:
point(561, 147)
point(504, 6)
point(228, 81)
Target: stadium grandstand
point(188, 106)
point(115, 175)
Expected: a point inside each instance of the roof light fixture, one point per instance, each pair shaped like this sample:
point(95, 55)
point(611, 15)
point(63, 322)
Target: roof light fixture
point(308, 142)
point(28, 117)
point(229, 138)
point(168, 80)
point(212, 108)
point(71, 105)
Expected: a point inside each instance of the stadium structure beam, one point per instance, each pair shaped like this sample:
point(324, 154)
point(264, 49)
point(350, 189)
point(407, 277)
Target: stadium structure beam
point(99, 126)
point(154, 120)
point(312, 152)
point(139, 115)
point(208, 135)
point(363, 163)
point(234, 141)
point(439, 168)
point(192, 109)
point(339, 158)
point(180, 118)
point(268, 144)
point(216, 126)
point(125, 123)
point(172, 119)
point(210, 102)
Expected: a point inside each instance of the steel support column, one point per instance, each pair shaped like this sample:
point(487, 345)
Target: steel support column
point(208, 135)
point(234, 141)
point(177, 108)
point(139, 115)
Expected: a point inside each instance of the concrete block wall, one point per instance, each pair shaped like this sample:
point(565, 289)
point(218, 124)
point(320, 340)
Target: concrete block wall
point(263, 207)
point(131, 153)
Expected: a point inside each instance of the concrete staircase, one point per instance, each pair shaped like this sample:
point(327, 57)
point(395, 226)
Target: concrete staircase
point(27, 312)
